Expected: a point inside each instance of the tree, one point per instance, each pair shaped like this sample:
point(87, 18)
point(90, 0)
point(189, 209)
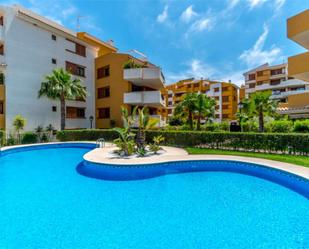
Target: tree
point(61, 86)
point(205, 108)
point(187, 107)
point(19, 124)
point(144, 123)
point(261, 105)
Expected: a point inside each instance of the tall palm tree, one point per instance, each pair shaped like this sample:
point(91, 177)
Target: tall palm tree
point(205, 108)
point(262, 104)
point(61, 86)
point(187, 107)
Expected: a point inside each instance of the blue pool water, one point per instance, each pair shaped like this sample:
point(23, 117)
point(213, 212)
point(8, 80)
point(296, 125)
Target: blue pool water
point(46, 203)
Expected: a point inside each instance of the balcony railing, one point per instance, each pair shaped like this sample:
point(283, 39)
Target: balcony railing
point(151, 77)
point(282, 84)
point(149, 98)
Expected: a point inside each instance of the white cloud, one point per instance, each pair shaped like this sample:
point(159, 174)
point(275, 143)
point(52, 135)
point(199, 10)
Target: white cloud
point(164, 15)
point(195, 68)
point(188, 14)
point(257, 56)
point(232, 4)
point(201, 25)
point(255, 3)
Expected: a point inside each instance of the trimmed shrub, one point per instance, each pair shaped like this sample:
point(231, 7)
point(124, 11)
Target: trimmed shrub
point(87, 135)
point(2, 137)
point(250, 126)
point(270, 142)
point(29, 138)
point(301, 126)
point(282, 126)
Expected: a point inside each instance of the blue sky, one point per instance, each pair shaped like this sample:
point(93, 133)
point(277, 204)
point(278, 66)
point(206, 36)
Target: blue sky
point(216, 39)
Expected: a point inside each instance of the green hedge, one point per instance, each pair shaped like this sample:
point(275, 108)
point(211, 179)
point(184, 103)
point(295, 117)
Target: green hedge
point(2, 136)
point(86, 135)
point(29, 138)
point(272, 142)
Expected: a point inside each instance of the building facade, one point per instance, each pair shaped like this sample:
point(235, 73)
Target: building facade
point(277, 80)
point(298, 31)
point(225, 93)
point(123, 80)
point(31, 46)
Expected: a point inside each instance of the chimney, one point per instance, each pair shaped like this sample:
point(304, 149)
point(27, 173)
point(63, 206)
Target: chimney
point(110, 42)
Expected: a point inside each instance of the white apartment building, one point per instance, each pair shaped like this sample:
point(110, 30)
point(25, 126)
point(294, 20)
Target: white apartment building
point(274, 78)
point(31, 46)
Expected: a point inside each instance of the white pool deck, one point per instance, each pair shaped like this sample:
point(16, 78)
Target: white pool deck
point(104, 156)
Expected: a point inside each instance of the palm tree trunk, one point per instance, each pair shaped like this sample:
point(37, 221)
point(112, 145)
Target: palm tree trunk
point(190, 120)
point(261, 120)
point(198, 126)
point(62, 102)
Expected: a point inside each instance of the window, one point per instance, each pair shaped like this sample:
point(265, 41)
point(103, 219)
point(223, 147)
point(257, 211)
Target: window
point(104, 113)
point(54, 108)
point(217, 98)
point(225, 98)
point(277, 71)
point(225, 107)
point(217, 116)
point(275, 82)
point(103, 92)
point(170, 103)
point(54, 37)
point(75, 112)
point(75, 69)
point(259, 83)
point(1, 108)
point(225, 116)
point(252, 85)
point(1, 49)
point(260, 73)
point(54, 61)
point(80, 112)
point(1, 21)
point(103, 72)
point(252, 76)
point(196, 84)
point(224, 89)
point(80, 49)
point(170, 111)
point(216, 89)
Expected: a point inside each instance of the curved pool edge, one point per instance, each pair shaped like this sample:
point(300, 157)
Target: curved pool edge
point(98, 156)
point(27, 147)
point(114, 172)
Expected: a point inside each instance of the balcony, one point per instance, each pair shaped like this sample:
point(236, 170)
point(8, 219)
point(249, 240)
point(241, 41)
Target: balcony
point(280, 95)
point(150, 77)
point(299, 66)
point(298, 29)
point(149, 98)
point(283, 84)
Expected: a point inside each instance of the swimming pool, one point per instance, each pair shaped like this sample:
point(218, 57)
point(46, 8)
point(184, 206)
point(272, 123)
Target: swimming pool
point(47, 203)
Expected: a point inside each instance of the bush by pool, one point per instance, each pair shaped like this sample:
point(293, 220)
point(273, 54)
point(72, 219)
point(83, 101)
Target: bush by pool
point(47, 203)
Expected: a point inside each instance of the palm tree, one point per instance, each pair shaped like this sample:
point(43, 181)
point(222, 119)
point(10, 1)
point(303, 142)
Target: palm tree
point(262, 104)
point(61, 86)
point(144, 123)
point(19, 124)
point(205, 108)
point(187, 107)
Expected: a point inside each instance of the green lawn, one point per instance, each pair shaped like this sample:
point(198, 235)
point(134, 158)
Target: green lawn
point(298, 160)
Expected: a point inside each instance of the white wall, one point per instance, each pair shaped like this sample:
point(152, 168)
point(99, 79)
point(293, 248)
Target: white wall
point(29, 50)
